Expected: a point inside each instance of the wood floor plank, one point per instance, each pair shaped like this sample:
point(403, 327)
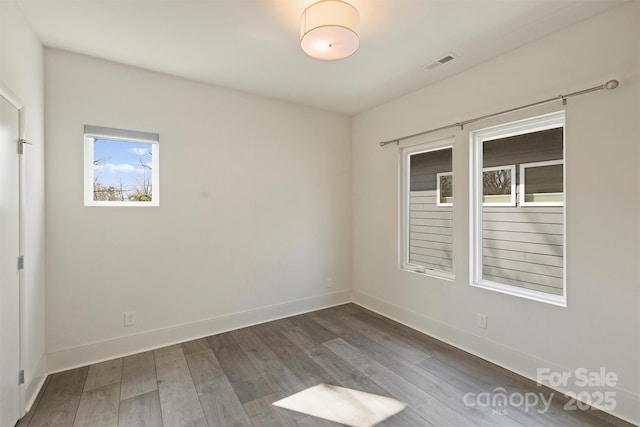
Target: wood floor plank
point(434, 386)
point(243, 376)
point(469, 384)
point(467, 372)
point(405, 350)
point(348, 309)
point(407, 418)
point(307, 324)
point(311, 421)
point(411, 336)
point(475, 370)
point(263, 414)
point(138, 375)
point(326, 320)
point(445, 365)
point(284, 323)
point(346, 375)
point(423, 403)
point(178, 398)
point(104, 373)
point(195, 346)
point(398, 329)
point(425, 344)
point(329, 321)
point(99, 407)
point(615, 421)
point(142, 410)
point(60, 401)
point(342, 373)
point(444, 392)
point(282, 381)
point(309, 373)
point(219, 402)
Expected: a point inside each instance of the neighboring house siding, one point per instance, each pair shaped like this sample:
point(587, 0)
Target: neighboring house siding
point(531, 147)
point(424, 170)
point(523, 246)
point(430, 231)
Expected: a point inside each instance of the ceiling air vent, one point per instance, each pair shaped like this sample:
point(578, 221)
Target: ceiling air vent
point(440, 61)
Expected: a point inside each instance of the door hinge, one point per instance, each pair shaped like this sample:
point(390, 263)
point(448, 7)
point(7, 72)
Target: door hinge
point(21, 262)
point(21, 143)
point(21, 376)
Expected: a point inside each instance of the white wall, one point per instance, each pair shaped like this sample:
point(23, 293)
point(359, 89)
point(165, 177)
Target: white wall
point(21, 69)
point(254, 212)
point(601, 325)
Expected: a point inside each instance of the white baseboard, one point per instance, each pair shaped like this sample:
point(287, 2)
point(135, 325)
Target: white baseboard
point(627, 403)
point(74, 357)
point(33, 384)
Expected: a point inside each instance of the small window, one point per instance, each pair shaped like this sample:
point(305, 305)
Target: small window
point(121, 167)
point(444, 189)
point(499, 186)
point(541, 183)
point(426, 239)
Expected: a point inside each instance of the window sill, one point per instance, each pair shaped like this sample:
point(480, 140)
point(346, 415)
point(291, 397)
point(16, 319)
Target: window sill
point(424, 271)
point(558, 300)
point(115, 204)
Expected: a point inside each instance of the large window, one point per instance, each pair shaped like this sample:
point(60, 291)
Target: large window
point(518, 242)
point(121, 167)
point(427, 209)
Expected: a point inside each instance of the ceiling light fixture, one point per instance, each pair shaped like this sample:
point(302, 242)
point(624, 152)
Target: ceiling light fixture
point(329, 30)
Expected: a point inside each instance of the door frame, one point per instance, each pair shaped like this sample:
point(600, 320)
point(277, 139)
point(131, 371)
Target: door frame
point(17, 103)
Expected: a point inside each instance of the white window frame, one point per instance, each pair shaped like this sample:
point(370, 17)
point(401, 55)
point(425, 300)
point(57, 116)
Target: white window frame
point(438, 202)
point(523, 171)
point(512, 201)
point(404, 191)
point(477, 138)
point(91, 133)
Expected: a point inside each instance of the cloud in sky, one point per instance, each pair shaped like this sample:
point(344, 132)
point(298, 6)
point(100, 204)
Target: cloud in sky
point(139, 151)
point(113, 168)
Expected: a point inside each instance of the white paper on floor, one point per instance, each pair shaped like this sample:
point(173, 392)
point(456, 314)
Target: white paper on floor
point(342, 405)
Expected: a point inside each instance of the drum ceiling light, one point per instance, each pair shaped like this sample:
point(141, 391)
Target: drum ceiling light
point(329, 30)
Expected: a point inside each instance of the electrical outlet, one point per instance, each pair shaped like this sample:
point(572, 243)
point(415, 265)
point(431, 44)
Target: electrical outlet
point(328, 282)
point(481, 320)
point(129, 318)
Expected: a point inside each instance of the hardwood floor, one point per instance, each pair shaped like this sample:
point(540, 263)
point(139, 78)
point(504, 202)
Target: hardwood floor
point(232, 379)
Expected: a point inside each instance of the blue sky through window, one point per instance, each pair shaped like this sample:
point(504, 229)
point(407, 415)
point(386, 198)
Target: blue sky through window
point(121, 163)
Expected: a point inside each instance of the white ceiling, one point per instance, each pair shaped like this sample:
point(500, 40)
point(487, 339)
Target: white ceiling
point(253, 45)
